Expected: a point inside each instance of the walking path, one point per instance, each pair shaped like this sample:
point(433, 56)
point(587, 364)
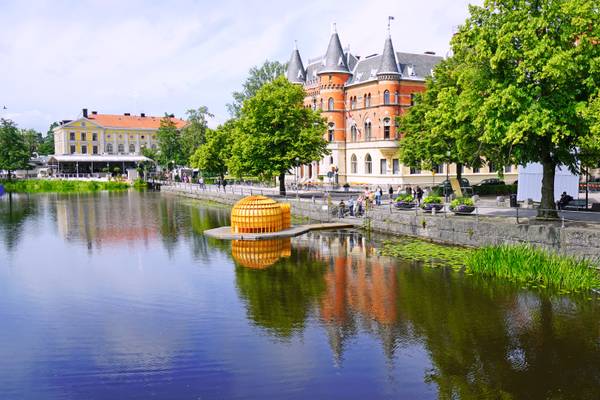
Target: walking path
point(224, 232)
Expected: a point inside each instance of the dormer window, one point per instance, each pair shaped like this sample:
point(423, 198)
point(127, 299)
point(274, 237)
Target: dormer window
point(373, 73)
point(341, 61)
point(410, 69)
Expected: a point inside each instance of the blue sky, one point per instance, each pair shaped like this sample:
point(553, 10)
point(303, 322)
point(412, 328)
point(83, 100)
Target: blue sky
point(57, 57)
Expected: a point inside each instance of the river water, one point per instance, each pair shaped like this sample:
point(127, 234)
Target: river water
point(120, 296)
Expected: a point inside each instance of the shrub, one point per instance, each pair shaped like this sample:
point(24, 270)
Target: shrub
point(404, 198)
point(432, 200)
point(464, 201)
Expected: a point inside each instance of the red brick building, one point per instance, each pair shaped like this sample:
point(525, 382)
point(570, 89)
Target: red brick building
point(360, 97)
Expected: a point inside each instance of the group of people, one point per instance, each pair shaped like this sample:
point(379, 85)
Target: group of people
point(417, 193)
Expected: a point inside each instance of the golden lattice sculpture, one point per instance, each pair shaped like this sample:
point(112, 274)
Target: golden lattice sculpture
point(259, 214)
point(260, 254)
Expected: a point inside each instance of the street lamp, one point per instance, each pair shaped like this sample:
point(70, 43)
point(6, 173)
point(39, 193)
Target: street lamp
point(296, 175)
point(447, 174)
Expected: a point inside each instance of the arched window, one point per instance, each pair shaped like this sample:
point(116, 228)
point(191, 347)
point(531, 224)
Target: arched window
point(368, 101)
point(353, 164)
point(330, 131)
point(386, 97)
point(314, 104)
point(397, 97)
point(367, 130)
point(321, 104)
point(365, 101)
point(109, 148)
point(132, 148)
point(353, 133)
point(386, 128)
point(330, 104)
point(368, 164)
point(352, 103)
point(121, 148)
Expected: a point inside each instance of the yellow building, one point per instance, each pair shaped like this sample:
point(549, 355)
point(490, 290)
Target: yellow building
point(95, 141)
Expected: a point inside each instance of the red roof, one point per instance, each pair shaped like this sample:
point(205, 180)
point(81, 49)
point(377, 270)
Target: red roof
point(132, 121)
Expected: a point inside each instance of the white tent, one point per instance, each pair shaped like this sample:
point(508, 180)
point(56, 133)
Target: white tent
point(530, 182)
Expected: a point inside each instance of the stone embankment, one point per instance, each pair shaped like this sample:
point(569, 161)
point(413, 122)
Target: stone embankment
point(468, 230)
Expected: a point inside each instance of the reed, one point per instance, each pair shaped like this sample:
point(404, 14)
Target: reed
point(534, 266)
point(61, 186)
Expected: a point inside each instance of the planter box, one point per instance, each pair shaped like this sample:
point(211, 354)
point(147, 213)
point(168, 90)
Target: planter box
point(404, 206)
point(462, 209)
point(429, 207)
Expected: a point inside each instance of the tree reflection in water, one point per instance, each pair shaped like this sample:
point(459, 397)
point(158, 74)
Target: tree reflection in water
point(484, 338)
point(15, 209)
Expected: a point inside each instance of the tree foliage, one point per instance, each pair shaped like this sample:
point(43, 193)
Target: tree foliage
point(14, 153)
point(273, 130)
point(46, 146)
point(211, 157)
point(193, 135)
point(526, 74)
point(257, 77)
point(169, 144)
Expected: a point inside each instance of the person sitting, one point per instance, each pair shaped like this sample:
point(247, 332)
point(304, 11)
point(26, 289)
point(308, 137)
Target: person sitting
point(564, 200)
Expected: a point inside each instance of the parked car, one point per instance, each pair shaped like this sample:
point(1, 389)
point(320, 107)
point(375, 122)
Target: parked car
point(490, 182)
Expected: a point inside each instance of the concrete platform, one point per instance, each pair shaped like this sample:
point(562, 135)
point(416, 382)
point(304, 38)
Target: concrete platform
point(224, 232)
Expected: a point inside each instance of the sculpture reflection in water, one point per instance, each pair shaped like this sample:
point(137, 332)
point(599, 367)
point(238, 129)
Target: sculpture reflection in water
point(483, 338)
point(260, 254)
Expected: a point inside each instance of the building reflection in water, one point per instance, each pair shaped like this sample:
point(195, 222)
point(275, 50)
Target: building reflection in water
point(483, 339)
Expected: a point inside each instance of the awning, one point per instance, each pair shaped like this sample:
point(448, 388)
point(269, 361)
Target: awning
point(97, 158)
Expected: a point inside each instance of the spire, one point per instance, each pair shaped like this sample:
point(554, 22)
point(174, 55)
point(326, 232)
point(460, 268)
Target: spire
point(295, 70)
point(388, 65)
point(334, 60)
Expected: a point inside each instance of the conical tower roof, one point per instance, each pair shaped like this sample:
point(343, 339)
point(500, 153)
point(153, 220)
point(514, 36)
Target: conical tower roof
point(334, 60)
point(388, 65)
point(295, 70)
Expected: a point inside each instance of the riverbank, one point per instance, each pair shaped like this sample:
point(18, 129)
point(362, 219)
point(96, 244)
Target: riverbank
point(60, 186)
point(469, 230)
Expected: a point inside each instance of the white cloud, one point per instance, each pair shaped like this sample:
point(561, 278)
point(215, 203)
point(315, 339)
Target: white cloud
point(156, 57)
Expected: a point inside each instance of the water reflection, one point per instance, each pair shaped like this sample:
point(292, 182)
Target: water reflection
point(134, 301)
point(260, 254)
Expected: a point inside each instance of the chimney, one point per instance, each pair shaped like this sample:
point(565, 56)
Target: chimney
point(84, 113)
point(127, 114)
point(143, 115)
point(172, 115)
point(94, 112)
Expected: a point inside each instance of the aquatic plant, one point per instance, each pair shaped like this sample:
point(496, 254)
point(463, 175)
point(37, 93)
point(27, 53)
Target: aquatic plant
point(534, 266)
point(432, 253)
point(61, 186)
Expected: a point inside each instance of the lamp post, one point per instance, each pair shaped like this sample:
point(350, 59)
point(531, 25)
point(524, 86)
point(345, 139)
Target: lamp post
point(447, 175)
point(296, 175)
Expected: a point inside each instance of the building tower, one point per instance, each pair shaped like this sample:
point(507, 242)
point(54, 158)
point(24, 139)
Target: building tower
point(333, 75)
point(295, 72)
point(388, 88)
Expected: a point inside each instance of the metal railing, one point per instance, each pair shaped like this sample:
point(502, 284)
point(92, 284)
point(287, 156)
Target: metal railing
point(518, 215)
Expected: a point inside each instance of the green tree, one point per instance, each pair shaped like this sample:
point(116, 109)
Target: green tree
point(211, 157)
point(13, 149)
point(273, 130)
point(526, 72)
point(194, 133)
point(32, 139)
point(169, 144)
point(257, 77)
point(438, 129)
point(47, 144)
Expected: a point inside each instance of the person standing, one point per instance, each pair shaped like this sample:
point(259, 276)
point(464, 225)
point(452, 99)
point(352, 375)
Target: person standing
point(391, 192)
point(419, 194)
point(378, 194)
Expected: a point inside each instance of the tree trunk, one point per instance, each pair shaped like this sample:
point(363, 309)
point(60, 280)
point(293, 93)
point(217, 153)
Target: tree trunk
point(282, 184)
point(459, 171)
point(547, 207)
point(9, 175)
